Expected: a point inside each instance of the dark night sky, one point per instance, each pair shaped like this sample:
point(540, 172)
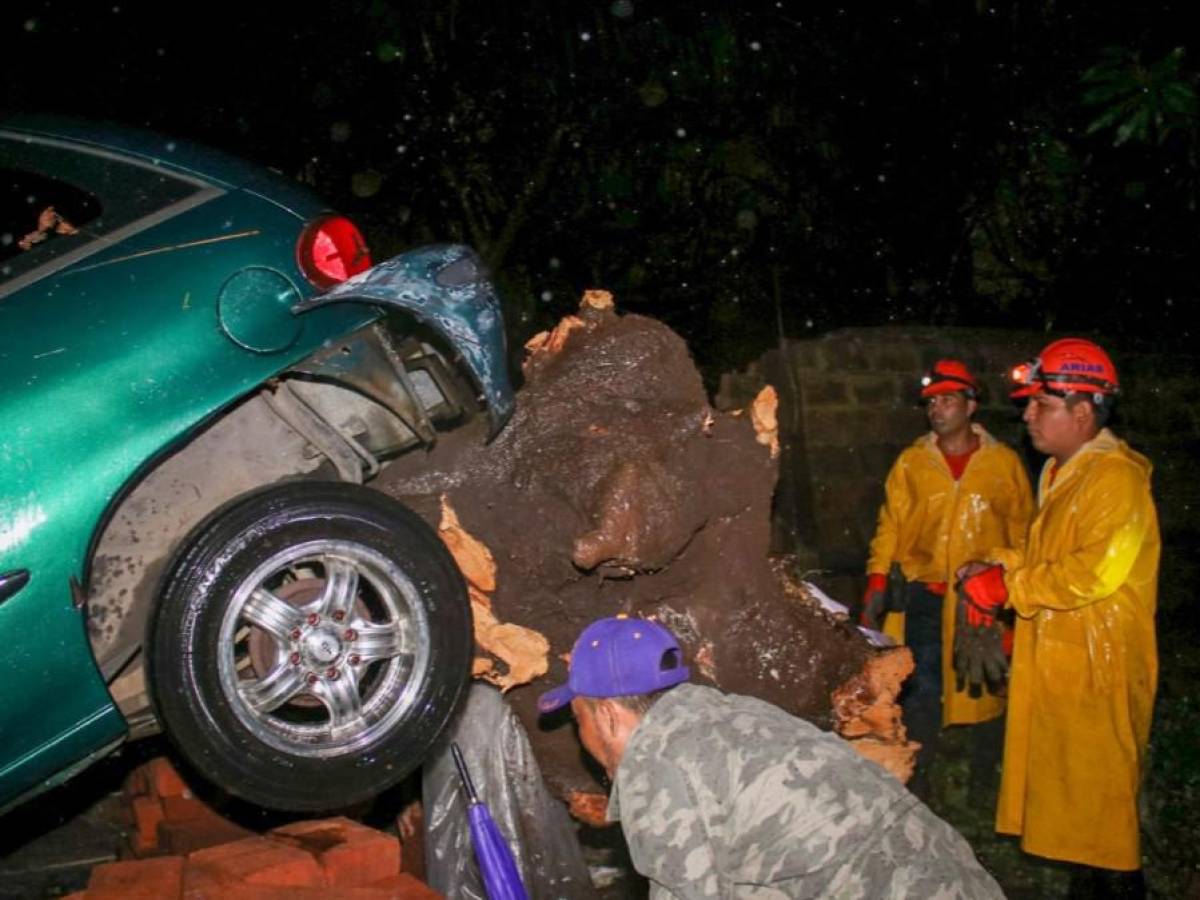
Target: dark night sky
point(859, 157)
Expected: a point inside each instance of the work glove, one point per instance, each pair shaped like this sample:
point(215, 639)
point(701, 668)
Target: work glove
point(980, 660)
point(984, 594)
point(874, 602)
point(884, 594)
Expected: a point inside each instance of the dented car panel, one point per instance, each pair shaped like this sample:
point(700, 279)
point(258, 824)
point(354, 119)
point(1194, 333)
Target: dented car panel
point(123, 342)
point(446, 288)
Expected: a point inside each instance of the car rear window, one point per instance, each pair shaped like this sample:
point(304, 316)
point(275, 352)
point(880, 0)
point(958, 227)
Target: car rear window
point(94, 196)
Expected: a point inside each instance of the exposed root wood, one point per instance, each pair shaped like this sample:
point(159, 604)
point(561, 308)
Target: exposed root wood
point(549, 343)
point(867, 714)
point(596, 299)
point(766, 423)
point(588, 807)
point(524, 650)
point(472, 555)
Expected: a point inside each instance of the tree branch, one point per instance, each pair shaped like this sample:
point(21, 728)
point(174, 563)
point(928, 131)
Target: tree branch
point(519, 214)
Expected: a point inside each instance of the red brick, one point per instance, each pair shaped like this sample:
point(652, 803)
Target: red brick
point(201, 882)
point(183, 807)
point(139, 879)
point(137, 783)
point(350, 853)
point(164, 780)
point(268, 892)
point(411, 825)
point(147, 815)
point(259, 860)
point(404, 886)
point(188, 835)
point(190, 824)
point(231, 850)
point(392, 888)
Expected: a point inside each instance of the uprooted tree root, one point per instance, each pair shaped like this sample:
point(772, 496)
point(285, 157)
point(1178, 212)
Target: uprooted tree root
point(616, 488)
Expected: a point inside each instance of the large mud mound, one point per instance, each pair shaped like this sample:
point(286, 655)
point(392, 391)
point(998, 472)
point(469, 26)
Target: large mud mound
point(616, 488)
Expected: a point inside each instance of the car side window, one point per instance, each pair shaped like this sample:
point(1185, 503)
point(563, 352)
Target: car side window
point(36, 210)
point(63, 202)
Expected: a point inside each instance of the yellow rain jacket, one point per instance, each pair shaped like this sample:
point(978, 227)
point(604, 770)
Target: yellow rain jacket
point(1084, 666)
point(932, 524)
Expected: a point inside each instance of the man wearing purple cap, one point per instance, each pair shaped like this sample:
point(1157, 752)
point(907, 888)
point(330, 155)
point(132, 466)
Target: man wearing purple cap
point(720, 795)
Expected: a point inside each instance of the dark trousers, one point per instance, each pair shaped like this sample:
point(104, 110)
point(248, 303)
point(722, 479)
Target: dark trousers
point(987, 746)
point(921, 701)
point(1088, 882)
point(921, 698)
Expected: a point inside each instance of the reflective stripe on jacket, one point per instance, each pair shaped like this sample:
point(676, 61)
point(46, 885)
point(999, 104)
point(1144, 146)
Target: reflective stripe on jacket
point(1085, 664)
point(932, 524)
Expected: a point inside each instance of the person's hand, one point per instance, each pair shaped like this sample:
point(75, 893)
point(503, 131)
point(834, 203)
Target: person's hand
point(34, 237)
point(874, 601)
point(984, 594)
point(47, 219)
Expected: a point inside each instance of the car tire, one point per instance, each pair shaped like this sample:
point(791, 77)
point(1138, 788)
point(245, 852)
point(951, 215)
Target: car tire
point(311, 643)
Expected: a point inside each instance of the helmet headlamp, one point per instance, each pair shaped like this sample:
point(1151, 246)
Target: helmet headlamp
point(1032, 374)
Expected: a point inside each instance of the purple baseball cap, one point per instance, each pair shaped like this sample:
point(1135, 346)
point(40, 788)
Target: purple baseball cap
point(619, 657)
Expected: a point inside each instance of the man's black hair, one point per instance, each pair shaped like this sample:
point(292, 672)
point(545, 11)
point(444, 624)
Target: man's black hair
point(1101, 411)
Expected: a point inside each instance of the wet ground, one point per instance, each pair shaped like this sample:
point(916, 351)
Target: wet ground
point(51, 843)
point(60, 858)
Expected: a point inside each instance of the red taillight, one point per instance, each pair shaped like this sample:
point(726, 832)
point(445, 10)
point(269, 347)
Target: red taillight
point(330, 250)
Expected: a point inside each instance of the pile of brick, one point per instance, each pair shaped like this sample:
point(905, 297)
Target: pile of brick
point(167, 817)
point(182, 848)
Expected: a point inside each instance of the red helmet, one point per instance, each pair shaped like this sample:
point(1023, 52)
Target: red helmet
point(948, 376)
point(1067, 366)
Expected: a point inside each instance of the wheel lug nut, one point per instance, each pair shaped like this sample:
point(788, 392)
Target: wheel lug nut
point(294, 659)
point(332, 673)
point(350, 634)
point(338, 615)
point(295, 635)
point(355, 659)
point(312, 678)
point(313, 618)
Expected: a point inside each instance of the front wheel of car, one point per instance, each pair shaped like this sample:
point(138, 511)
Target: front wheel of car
point(311, 643)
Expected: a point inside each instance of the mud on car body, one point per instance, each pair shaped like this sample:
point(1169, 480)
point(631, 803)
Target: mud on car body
point(199, 369)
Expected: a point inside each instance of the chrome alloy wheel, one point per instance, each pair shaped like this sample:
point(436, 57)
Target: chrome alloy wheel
point(323, 647)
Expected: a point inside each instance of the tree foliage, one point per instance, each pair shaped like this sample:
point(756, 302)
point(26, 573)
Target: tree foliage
point(739, 170)
point(1143, 103)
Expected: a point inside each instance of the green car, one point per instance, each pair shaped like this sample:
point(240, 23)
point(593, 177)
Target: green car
point(199, 371)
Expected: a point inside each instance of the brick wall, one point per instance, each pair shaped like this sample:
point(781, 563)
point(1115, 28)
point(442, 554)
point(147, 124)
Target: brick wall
point(848, 405)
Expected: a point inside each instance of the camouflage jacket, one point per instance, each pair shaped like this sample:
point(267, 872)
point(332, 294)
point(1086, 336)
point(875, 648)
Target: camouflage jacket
point(728, 796)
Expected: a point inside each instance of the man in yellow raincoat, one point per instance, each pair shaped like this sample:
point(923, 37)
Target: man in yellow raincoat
point(1085, 665)
point(951, 496)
